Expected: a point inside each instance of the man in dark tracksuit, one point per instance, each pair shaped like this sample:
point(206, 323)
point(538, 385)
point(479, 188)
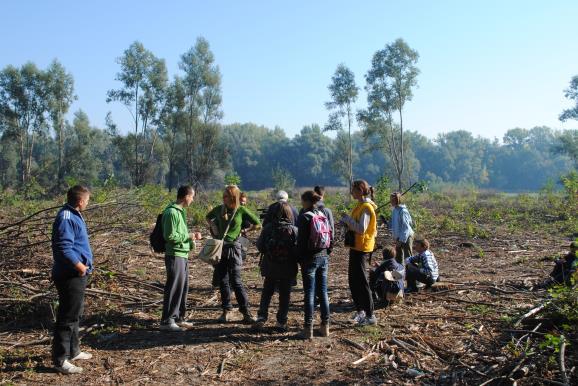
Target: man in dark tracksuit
point(72, 264)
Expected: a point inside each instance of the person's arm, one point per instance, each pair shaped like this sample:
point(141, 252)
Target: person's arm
point(405, 230)
point(64, 243)
point(263, 237)
point(359, 227)
point(171, 219)
point(250, 217)
point(411, 259)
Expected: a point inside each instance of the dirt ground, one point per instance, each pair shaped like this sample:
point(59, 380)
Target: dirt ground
point(457, 334)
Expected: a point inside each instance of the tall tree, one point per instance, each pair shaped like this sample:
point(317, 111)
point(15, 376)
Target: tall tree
point(202, 85)
point(390, 81)
point(144, 80)
point(173, 120)
point(568, 141)
point(571, 93)
point(343, 91)
point(23, 108)
point(60, 97)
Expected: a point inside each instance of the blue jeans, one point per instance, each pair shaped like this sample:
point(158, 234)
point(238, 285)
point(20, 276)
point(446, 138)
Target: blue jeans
point(315, 281)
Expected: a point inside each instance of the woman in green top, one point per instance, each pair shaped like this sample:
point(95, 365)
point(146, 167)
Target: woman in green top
point(228, 271)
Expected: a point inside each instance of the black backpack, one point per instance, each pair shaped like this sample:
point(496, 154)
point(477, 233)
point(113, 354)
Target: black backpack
point(156, 238)
point(281, 244)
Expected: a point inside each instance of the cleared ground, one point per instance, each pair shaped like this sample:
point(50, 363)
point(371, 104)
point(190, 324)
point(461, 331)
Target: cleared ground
point(460, 334)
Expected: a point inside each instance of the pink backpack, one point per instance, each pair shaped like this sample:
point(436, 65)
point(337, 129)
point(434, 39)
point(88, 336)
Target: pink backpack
point(320, 231)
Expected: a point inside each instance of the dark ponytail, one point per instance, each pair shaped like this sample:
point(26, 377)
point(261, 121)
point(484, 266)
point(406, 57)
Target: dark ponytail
point(311, 196)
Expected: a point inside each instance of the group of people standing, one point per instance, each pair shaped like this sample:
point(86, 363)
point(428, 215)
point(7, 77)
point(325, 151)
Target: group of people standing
point(289, 240)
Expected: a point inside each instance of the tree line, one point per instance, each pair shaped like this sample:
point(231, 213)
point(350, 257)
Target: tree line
point(176, 135)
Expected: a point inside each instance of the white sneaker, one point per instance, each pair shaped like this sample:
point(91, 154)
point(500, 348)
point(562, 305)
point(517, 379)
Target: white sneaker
point(372, 321)
point(68, 368)
point(185, 324)
point(358, 317)
point(82, 356)
point(172, 327)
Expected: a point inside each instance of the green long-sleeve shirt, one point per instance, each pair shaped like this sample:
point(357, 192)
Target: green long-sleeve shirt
point(175, 231)
point(243, 214)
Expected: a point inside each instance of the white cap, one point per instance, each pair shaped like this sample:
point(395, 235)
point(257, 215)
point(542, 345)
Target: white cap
point(282, 196)
point(392, 275)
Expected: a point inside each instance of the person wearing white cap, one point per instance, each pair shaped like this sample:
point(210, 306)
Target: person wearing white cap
point(280, 196)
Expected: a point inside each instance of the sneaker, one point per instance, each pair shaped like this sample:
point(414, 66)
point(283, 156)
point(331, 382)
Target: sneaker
point(371, 321)
point(281, 327)
point(324, 329)
point(172, 327)
point(68, 368)
point(184, 324)
point(357, 317)
point(248, 317)
point(225, 317)
point(409, 290)
point(82, 356)
point(259, 323)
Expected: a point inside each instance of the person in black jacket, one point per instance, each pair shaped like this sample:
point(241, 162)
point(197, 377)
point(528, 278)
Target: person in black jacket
point(387, 279)
point(314, 264)
point(278, 244)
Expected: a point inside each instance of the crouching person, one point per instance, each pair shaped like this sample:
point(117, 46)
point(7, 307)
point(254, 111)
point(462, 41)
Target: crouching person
point(178, 244)
point(388, 278)
point(72, 266)
point(564, 268)
point(422, 267)
point(278, 244)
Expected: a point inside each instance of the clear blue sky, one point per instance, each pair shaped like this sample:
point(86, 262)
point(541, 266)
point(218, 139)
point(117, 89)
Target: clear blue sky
point(485, 68)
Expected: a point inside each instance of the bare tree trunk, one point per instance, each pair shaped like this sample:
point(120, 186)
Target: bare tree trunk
point(136, 166)
point(402, 160)
point(350, 156)
point(60, 147)
point(22, 157)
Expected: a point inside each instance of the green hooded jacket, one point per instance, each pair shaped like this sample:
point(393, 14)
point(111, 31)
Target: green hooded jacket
point(175, 232)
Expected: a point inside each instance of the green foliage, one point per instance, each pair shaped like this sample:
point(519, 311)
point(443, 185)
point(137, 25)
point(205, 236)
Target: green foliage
point(233, 179)
point(571, 93)
point(390, 82)
point(343, 92)
point(282, 179)
point(570, 182)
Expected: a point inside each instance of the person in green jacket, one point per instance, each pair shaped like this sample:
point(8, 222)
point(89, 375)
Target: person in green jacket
point(228, 271)
point(178, 243)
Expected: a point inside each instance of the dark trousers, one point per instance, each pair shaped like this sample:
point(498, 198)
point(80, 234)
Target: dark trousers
point(359, 282)
point(269, 285)
point(228, 274)
point(413, 274)
point(66, 343)
point(314, 273)
point(404, 250)
point(176, 289)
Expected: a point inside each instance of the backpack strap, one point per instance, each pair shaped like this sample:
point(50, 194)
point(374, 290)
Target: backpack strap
point(229, 224)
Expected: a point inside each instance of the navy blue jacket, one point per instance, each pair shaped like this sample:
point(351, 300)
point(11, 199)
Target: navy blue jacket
point(70, 244)
point(386, 285)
